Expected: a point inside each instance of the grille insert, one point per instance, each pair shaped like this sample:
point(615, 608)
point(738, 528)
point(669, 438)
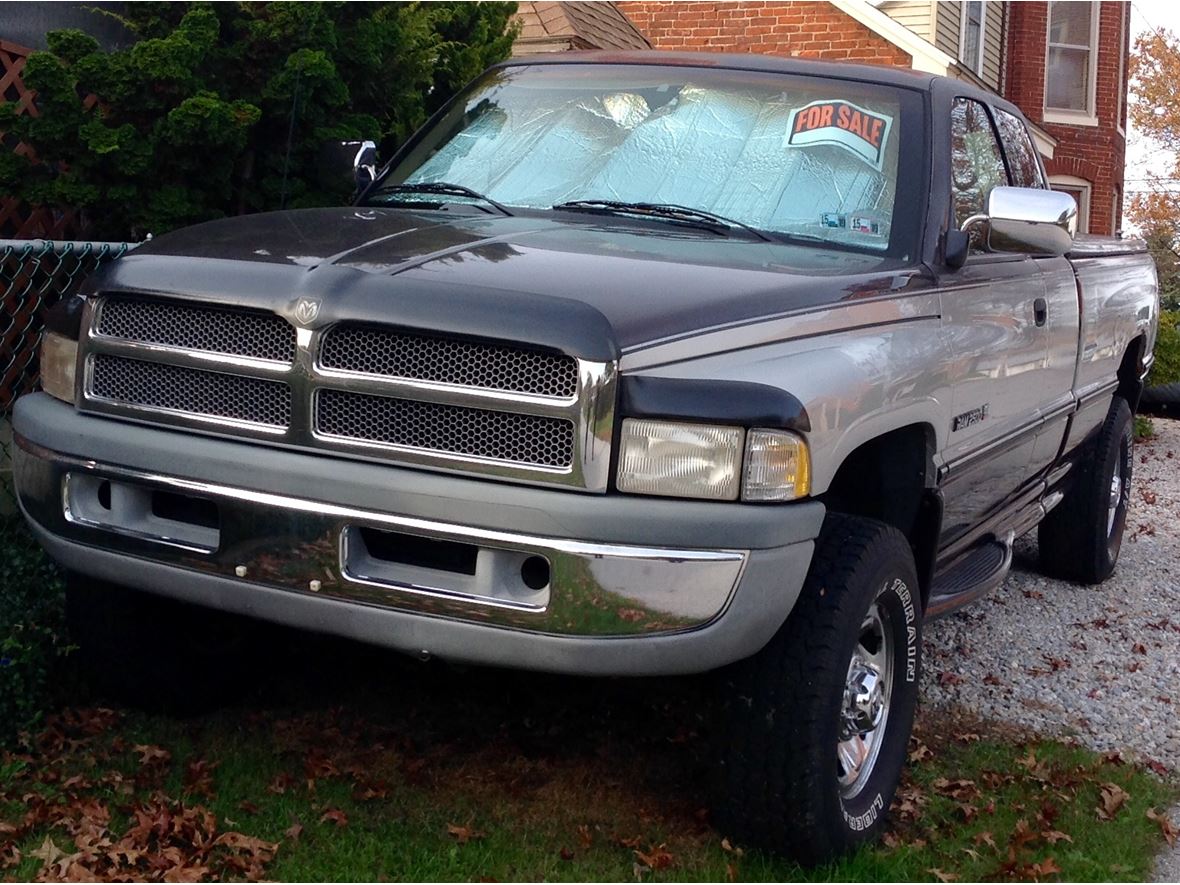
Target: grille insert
point(216, 394)
point(216, 330)
point(482, 433)
point(376, 351)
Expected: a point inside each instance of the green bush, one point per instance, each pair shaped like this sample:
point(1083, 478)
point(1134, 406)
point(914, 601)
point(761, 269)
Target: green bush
point(32, 629)
point(1167, 350)
point(220, 109)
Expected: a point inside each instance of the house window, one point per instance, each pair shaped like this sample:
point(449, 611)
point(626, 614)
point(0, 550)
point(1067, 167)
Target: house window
point(1079, 189)
point(1071, 60)
point(971, 35)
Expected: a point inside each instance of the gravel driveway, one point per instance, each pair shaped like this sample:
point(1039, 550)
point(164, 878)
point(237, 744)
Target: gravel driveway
point(1099, 663)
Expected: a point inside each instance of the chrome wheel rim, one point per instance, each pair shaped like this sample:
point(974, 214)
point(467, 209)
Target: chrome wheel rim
point(864, 710)
point(1119, 489)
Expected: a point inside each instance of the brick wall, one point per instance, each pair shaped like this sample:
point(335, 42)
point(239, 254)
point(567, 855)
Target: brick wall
point(1093, 153)
point(805, 29)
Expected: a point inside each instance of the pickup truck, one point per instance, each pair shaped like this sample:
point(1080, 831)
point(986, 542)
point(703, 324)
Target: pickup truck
point(624, 364)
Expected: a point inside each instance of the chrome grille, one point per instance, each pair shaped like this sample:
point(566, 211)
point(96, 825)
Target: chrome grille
point(396, 354)
point(263, 336)
point(175, 388)
point(410, 396)
point(481, 433)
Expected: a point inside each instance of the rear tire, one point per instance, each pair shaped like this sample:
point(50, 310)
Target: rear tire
point(795, 731)
point(151, 652)
point(1081, 537)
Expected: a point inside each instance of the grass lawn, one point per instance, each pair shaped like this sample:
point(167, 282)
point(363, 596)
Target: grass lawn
point(341, 763)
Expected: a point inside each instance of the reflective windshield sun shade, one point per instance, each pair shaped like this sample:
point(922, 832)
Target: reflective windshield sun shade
point(810, 156)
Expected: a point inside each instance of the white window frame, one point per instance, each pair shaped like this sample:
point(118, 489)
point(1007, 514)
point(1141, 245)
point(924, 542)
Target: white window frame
point(1084, 188)
point(1088, 117)
point(975, 67)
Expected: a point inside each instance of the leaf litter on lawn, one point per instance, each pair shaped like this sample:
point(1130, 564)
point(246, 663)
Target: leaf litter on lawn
point(94, 826)
point(561, 780)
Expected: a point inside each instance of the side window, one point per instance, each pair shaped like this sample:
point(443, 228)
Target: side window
point(977, 164)
point(1018, 146)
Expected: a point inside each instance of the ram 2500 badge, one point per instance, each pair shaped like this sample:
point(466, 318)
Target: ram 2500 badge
point(625, 364)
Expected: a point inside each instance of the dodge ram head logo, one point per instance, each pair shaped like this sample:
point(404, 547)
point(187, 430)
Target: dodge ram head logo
point(307, 310)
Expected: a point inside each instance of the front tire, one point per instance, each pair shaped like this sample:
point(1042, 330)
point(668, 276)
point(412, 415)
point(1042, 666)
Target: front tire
point(818, 722)
point(1081, 537)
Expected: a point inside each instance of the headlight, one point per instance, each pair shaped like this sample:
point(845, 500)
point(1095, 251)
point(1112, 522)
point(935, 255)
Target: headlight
point(778, 467)
point(706, 461)
point(680, 460)
point(59, 357)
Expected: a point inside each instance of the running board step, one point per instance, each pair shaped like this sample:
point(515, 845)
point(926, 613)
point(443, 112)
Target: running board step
point(974, 574)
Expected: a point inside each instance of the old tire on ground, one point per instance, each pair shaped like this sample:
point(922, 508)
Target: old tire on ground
point(1161, 399)
point(798, 715)
point(1081, 537)
point(151, 652)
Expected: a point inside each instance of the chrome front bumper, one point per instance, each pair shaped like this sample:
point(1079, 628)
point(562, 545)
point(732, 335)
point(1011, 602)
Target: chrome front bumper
point(396, 574)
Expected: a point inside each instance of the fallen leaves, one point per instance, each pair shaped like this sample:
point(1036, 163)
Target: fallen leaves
point(368, 792)
point(464, 834)
point(151, 755)
point(919, 752)
point(281, 783)
point(1169, 830)
point(48, 853)
point(657, 857)
point(198, 778)
point(1112, 798)
point(334, 816)
point(166, 840)
point(1046, 867)
point(95, 802)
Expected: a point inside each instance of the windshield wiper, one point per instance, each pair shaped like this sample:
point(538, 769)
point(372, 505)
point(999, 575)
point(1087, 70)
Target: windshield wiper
point(443, 188)
point(709, 220)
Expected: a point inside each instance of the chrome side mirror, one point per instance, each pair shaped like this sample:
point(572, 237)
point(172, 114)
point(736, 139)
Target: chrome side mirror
point(1027, 219)
point(364, 165)
point(345, 166)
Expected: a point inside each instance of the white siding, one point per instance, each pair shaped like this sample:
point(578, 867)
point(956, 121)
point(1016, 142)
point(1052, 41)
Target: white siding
point(917, 15)
point(946, 30)
point(993, 38)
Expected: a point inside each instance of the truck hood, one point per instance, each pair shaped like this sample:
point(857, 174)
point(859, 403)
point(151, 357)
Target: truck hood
point(636, 282)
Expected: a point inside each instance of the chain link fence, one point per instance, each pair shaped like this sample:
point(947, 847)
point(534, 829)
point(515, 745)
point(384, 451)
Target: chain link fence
point(34, 275)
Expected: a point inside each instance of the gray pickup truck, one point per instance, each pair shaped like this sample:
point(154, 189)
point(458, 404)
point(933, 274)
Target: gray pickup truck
point(639, 364)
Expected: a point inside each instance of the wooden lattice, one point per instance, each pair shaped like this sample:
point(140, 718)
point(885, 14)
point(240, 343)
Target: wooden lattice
point(19, 220)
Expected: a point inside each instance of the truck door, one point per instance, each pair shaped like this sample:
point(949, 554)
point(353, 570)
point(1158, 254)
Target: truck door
point(991, 309)
point(1060, 313)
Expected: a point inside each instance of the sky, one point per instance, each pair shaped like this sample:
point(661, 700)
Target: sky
point(1142, 157)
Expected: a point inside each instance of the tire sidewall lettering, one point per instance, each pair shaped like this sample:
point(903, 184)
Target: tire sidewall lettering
point(904, 607)
point(860, 822)
point(909, 612)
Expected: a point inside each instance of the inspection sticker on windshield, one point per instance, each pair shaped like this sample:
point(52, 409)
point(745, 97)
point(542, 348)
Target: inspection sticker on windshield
point(844, 125)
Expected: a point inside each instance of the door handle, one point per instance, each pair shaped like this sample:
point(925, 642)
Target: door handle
point(1040, 311)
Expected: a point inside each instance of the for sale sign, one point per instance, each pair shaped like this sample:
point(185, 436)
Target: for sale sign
point(844, 125)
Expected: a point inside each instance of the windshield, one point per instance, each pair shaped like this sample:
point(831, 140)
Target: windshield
point(805, 156)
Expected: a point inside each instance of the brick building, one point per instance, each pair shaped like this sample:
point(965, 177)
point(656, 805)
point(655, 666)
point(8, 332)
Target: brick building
point(1067, 69)
point(1063, 63)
